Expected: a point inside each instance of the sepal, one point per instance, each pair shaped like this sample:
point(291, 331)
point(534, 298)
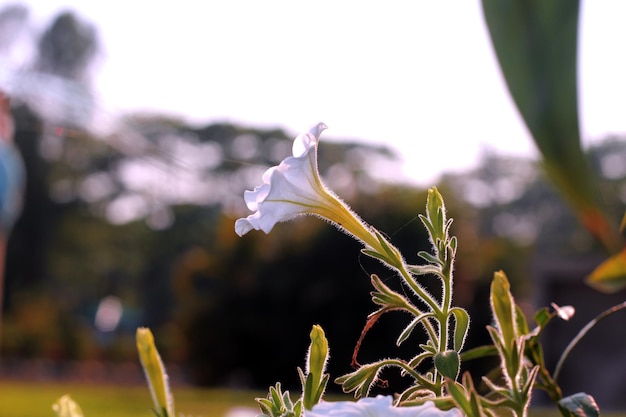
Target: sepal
point(279, 404)
point(361, 381)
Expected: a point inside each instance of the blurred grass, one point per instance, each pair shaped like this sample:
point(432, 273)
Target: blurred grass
point(23, 399)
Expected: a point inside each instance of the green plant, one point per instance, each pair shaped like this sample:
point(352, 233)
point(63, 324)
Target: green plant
point(295, 188)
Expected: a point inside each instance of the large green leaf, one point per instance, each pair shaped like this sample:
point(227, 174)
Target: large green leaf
point(536, 45)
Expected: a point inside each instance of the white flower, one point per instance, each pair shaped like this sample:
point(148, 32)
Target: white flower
point(380, 406)
point(294, 188)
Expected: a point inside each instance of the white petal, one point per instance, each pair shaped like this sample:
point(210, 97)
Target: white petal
point(243, 226)
point(380, 406)
point(292, 188)
point(253, 198)
point(305, 142)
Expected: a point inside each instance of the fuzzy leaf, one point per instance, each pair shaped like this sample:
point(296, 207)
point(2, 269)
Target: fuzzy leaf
point(388, 298)
point(503, 308)
point(461, 326)
point(448, 363)
point(520, 321)
point(425, 269)
point(429, 258)
point(465, 397)
point(414, 363)
point(411, 326)
point(360, 381)
point(479, 352)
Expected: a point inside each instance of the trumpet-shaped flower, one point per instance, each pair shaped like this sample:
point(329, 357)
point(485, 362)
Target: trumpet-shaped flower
point(380, 406)
point(294, 188)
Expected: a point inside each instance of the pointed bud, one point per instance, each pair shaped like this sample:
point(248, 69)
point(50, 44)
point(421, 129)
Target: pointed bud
point(155, 373)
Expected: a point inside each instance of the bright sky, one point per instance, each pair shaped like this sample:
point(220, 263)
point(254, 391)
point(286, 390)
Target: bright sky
point(417, 75)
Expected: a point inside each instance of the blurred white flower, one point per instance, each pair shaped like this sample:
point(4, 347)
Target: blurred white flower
point(242, 412)
point(295, 187)
point(380, 406)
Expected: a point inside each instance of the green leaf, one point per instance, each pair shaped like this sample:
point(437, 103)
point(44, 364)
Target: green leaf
point(425, 269)
point(360, 381)
point(374, 254)
point(448, 363)
point(387, 298)
point(503, 307)
point(581, 405)
point(610, 275)
point(279, 404)
point(429, 258)
point(536, 44)
point(542, 317)
point(465, 397)
point(411, 326)
point(457, 391)
point(520, 321)
point(461, 326)
point(414, 363)
point(275, 395)
point(479, 352)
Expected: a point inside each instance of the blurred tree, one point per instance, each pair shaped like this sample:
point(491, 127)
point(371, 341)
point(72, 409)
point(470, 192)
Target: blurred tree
point(516, 206)
point(67, 48)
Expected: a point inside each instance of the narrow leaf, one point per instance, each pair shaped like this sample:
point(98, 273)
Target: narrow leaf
point(154, 371)
point(503, 308)
point(479, 352)
point(411, 326)
point(461, 326)
point(536, 45)
point(429, 258)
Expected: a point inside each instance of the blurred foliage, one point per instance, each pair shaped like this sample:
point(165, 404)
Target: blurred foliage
point(536, 44)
